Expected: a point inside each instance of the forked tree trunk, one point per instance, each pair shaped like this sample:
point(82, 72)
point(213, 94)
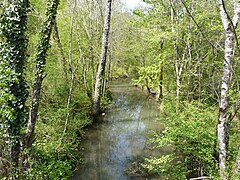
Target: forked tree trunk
point(223, 124)
point(102, 62)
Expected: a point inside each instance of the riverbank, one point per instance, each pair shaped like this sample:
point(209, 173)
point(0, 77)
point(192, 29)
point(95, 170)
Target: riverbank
point(54, 153)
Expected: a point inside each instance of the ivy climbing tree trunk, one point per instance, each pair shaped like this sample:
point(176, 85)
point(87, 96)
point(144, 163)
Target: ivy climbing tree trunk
point(40, 59)
point(102, 62)
point(223, 121)
point(13, 89)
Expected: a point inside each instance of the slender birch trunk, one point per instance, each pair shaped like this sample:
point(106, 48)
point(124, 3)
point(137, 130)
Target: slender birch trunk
point(91, 46)
point(176, 56)
point(223, 124)
point(72, 73)
point(102, 62)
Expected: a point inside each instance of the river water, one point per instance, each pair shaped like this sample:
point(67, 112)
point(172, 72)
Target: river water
point(111, 147)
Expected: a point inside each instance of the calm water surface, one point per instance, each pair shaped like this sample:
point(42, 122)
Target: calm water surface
point(112, 146)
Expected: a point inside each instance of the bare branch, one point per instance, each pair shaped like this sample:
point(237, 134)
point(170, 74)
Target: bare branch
point(200, 29)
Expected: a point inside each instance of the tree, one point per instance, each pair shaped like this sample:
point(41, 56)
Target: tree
point(40, 60)
point(187, 40)
point(224, 119)
point(13, 88)
point(102, 63)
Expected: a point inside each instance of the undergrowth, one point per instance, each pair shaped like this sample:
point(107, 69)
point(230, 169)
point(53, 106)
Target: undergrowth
point(54, 153)
point(191, 132)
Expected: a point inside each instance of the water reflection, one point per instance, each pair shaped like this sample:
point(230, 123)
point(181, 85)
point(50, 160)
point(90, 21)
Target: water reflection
point(110, 147)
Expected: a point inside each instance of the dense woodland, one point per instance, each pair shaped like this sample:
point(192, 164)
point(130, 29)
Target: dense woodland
point(57, 60)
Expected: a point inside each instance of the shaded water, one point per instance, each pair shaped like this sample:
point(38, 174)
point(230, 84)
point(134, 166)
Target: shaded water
point(112, 146)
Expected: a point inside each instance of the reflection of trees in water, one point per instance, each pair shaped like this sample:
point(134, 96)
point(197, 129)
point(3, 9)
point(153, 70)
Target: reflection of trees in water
point(121, 140)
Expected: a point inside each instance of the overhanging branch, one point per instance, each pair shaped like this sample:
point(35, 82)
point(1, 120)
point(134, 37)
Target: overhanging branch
point(204, 36)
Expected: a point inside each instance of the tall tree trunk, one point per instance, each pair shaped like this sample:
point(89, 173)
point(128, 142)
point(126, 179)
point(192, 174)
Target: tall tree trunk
point(102, 62)
point(73, 70)
point(40, 58)
point(89, 86)
point(189, 57)
point(223, 124)
point(178, 67)
point(91, 46)
point(160, 76)
point(13, 45)
point(72, 74)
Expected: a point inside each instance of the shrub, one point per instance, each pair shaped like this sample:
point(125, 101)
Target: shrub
point(192, 135)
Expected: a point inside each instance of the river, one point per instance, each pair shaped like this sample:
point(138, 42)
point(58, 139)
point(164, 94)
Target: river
point(112, 146)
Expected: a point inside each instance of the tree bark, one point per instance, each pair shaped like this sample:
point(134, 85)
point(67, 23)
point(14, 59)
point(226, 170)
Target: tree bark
point(102, 62)
point(40, 58)
point(223, 124)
